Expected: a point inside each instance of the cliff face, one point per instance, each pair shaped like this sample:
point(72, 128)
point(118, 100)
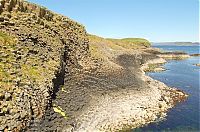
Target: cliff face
point(46, 60)
point(37, 49)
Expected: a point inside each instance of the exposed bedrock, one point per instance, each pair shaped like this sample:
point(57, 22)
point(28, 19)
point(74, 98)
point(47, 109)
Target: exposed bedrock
point(110, 97)
point(52, 79)
point(38, 49)
point(175, 55)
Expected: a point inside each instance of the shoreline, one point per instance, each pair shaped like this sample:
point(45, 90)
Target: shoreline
point(120, 97)
point(116, 95)
point(60, 78)
point(130, 109)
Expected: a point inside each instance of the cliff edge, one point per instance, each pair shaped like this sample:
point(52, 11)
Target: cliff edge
point(37, 49)
point(56, 77)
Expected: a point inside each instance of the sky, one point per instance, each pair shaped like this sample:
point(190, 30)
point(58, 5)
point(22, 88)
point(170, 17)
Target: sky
point(155, 20)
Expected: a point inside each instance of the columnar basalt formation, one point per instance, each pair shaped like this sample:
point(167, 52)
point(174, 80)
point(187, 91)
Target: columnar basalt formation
point(37, 48)
point(46, 60)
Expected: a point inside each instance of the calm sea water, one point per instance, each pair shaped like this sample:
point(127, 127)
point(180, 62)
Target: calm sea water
point(183, 74)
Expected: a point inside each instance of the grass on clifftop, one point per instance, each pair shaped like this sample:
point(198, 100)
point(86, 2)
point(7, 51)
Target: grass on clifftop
point(125, 42)
point(100, 46)
point(131, 43)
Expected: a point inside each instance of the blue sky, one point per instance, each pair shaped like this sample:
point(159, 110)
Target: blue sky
point(155, 20)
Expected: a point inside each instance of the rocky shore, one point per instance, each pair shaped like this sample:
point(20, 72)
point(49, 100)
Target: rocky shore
point(116, 95)
point(195, 55)
point(56, 77)
point(176, 55)
point(132, 106)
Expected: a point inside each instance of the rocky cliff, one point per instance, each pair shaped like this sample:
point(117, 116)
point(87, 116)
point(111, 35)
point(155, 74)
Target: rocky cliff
point(53, 79)
point(38, 48)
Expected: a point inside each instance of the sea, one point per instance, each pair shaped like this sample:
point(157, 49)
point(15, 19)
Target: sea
point(184, 75)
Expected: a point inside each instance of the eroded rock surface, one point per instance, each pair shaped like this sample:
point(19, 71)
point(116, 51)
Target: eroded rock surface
point(53, 79)
point(112, 95)
point(38, 48)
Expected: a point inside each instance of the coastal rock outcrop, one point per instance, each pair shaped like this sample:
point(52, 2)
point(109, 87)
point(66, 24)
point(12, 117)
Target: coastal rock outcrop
point(195, 55)
point(114, 95)
point(52, 78)
point(175, 55)
point(38, 49)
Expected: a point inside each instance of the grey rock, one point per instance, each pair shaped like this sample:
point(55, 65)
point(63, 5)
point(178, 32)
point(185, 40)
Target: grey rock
point(7, 96)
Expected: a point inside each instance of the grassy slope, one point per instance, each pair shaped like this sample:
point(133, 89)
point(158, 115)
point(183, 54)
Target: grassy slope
point(99, 46)
point(132, 43)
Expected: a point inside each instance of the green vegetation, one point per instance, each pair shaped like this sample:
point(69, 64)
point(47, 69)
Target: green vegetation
point(6, 39)
point(10, 68)
point(151, 67)
point(131, 43)
point(32, 72)
point(17, 71)
point(7, 44)
point(59, 110)
point(31, 58)
point(99, 46)
point(94, 50)
point(106, 42)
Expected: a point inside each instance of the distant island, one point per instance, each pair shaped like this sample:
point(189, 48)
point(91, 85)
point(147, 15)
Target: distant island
point(176, 43)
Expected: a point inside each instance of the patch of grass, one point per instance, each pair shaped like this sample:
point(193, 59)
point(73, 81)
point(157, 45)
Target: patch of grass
point(94, 38)
point(7, 44)
point(32, 72)
point(99, 46)
point(30, 69)
point(95, 51)
point(131, 43)
point(63, 89)
point(33, 69)
point(59, 110)
point(151, 67)
point(52, 65)
point(6, 39)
